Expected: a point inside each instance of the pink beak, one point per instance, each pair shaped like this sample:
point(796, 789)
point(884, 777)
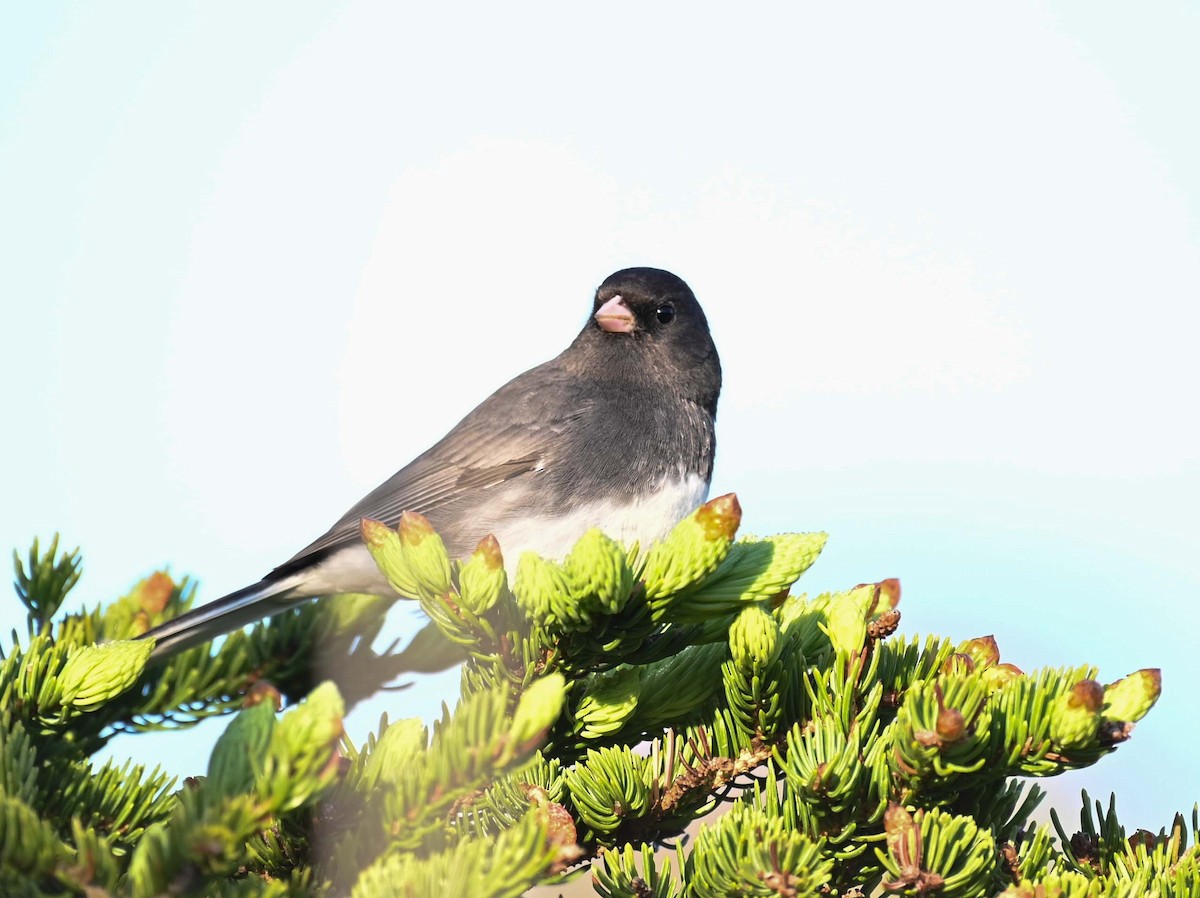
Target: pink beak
point(614, 317)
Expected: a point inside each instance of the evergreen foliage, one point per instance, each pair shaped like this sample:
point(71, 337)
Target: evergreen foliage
point(608, 701)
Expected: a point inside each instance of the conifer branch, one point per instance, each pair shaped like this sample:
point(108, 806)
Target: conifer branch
point(609, 702)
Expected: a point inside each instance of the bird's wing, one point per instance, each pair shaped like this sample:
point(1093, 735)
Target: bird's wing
point(481, 453)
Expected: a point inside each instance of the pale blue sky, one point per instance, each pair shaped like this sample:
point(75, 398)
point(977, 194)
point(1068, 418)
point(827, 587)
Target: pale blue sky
point(254, 257)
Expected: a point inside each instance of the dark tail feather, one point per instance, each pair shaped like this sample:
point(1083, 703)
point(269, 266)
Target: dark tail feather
point(225, 615)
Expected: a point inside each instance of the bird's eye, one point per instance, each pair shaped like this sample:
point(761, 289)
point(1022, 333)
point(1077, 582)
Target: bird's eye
point(665, 313)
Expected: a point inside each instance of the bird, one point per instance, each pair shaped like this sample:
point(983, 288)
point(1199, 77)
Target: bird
point(617, 432)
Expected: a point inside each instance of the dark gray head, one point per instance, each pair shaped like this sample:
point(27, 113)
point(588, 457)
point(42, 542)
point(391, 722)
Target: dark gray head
point(647, 327)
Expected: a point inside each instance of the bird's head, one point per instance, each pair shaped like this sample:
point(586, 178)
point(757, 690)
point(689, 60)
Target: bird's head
point(649, 319)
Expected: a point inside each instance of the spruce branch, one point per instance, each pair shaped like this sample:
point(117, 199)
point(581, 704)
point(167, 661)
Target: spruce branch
point(610, 702)
point(42, 584)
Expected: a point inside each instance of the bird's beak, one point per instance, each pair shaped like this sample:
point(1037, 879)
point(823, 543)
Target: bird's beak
point(614, 317)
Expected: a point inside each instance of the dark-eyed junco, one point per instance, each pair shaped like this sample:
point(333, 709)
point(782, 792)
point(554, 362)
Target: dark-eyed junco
point(617, 432)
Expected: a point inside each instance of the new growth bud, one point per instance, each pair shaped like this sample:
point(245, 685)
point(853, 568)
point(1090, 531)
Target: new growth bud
point(1077, 715)
point(237, 757)
point(543, 589)
point(384, 545)
point(1131, 698)
point(754, 639)
point(94, 674)
point(847, 620)
point(599, 573)
point(154, 592)
point(983, 650)
point(694, 548)
point(413, 557)
point(425, 554)
point(481, 579)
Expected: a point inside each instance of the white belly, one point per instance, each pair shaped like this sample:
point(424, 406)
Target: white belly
point(645, 519)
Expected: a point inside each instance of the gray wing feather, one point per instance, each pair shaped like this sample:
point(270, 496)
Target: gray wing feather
point(480, 454)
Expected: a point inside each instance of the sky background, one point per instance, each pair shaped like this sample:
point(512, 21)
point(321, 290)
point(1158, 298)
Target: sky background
point(255, 257)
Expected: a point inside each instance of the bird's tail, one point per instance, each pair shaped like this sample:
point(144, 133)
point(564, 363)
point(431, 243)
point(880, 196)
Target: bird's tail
point(226, 614)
